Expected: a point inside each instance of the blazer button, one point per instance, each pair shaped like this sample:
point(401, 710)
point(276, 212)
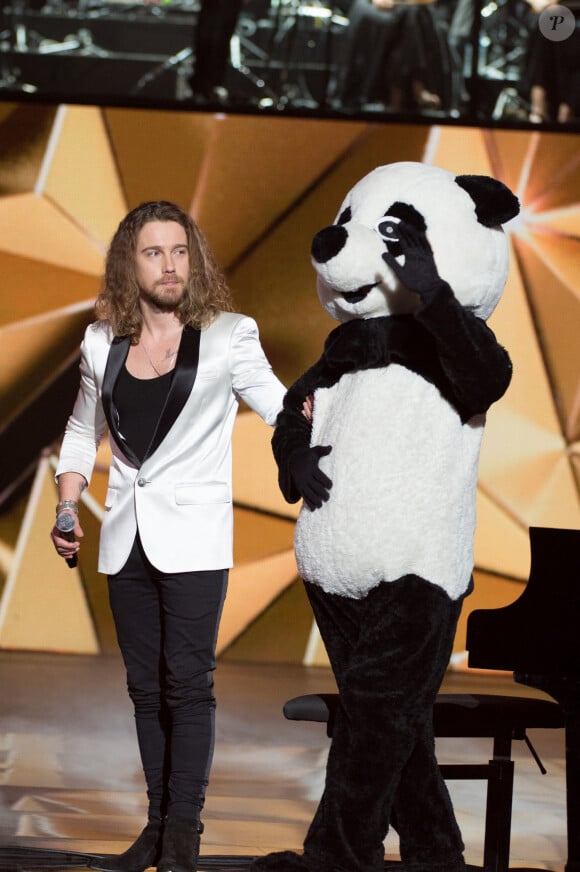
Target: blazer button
point(142, 482)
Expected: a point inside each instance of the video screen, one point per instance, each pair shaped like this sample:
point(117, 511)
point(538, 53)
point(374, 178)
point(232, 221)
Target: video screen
point(505, 63)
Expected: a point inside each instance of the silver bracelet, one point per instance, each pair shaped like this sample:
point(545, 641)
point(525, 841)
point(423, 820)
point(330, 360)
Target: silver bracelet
point(68, 505)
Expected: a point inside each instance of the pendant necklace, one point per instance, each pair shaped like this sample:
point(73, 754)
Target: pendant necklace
point(168, 356)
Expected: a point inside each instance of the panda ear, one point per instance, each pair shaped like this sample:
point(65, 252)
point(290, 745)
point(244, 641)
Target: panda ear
point(494, 202)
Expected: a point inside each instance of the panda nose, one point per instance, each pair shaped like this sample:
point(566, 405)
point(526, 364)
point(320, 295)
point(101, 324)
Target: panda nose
point(328, 243)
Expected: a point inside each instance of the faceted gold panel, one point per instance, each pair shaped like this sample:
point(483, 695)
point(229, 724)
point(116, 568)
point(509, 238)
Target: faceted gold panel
point(261, 188)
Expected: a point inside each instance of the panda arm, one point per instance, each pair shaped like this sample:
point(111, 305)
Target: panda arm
point(293, 430)
point(477, 366)
point(477, 369)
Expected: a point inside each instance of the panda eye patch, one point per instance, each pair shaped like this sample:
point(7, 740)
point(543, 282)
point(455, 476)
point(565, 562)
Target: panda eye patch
point(345, 216)
point(388, 228)
point(407, 213)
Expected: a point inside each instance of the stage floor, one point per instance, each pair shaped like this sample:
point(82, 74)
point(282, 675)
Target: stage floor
point(70, 777)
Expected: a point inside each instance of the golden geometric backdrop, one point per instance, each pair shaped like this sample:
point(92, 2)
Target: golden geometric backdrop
point(260, 189)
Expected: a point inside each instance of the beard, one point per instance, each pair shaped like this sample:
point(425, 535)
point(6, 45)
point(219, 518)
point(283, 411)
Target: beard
point(165, 297)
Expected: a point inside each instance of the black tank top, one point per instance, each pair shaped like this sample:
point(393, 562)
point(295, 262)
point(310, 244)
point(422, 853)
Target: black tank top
point(139, 402)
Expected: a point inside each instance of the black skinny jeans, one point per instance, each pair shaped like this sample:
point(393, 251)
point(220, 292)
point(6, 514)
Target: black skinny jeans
point(167, 628)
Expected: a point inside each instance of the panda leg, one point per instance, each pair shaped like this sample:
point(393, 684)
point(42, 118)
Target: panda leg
point(429, 837)
point(424, 820)
point(389, 652)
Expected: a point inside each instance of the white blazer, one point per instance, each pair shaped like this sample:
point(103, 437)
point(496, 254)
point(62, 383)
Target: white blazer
point(180, 496)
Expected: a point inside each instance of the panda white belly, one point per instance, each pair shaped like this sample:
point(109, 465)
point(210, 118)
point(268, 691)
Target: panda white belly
point(404, 473)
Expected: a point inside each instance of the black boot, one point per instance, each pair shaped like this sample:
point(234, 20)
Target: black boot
point(180, 846)
point(143, 853)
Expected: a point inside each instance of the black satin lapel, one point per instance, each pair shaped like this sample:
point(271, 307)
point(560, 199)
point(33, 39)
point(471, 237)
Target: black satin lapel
point(115, 361)
point(181, 385)
point(117, 356)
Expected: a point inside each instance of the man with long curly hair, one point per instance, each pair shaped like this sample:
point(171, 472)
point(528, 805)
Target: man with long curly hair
point(164, 367)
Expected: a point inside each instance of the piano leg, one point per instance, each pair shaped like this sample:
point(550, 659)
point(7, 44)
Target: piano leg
point(572, 715)
point(566, 692)
point(498, 815)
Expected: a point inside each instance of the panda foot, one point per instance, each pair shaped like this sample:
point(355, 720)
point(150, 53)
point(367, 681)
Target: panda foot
point(280, 861)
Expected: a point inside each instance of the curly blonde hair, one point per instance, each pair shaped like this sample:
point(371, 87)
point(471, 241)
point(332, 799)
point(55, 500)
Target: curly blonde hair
point(206, 293)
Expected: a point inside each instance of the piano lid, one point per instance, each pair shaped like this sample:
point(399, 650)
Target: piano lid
point(539, 632)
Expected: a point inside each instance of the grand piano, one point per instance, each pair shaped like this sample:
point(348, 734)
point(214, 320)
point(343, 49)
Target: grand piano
point(537, 637)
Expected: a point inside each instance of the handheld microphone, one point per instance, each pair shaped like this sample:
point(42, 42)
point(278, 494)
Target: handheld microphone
point(65, 524)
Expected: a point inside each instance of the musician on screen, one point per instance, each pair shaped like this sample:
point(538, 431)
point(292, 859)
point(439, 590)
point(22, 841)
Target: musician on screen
point(394, 57)
point(215, 27)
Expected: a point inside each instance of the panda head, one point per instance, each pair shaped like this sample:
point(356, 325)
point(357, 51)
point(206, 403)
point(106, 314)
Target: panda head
point(461, 216)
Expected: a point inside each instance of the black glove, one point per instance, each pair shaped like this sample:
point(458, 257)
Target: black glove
point(418, 273)
point(309, 480)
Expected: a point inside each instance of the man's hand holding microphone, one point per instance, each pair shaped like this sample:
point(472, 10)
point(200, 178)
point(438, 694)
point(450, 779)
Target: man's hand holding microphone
point(66, 530)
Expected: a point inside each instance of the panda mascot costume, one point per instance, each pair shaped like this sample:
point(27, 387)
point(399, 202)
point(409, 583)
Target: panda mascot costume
point(385, 458)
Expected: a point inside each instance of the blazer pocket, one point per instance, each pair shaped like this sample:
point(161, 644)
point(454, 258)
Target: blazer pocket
point(207, 372)
point(202, 494)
